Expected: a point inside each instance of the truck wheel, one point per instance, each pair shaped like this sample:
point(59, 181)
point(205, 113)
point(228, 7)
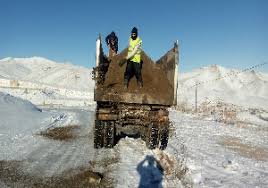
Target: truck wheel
point(98, 136)
point(163, 138)
point(109, 133)
point(152, 136)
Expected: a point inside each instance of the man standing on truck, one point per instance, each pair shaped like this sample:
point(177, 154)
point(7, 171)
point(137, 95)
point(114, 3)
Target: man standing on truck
point(134, 63)
point(112, 43)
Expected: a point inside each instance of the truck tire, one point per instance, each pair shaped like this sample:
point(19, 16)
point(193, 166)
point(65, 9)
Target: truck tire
point(98, 134)
point(163, 138)
point(109, 134)
point(152, 136)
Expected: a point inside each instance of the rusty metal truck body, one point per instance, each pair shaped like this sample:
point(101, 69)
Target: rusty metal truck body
point(139, 112)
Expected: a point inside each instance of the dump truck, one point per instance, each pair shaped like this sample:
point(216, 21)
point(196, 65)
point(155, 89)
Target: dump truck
point(137, 112)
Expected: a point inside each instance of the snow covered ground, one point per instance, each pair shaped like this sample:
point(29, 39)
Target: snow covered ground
point(200, 153)
point(224, 144)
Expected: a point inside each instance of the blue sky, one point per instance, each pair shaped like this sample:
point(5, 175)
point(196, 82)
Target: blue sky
point(231, 33)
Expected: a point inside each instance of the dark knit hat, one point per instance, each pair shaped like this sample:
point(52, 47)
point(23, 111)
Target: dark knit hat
point(134, 30)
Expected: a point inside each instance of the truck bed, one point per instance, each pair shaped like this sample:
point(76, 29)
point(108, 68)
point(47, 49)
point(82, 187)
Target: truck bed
point(159, 79)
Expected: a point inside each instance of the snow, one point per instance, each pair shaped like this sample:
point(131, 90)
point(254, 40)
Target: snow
point(22, 122)
point(47, 95)
point(45, 82)
point(48, 72)
point(247, 89)
point(211, 163)
point(205, 149)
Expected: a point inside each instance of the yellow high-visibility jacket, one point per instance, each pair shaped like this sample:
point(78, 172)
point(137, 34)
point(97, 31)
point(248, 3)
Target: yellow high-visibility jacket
point(134, 50)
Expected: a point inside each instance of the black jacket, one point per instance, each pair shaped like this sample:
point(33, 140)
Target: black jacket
point(112, 40)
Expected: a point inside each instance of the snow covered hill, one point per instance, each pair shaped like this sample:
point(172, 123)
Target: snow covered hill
point(45, 82)
point(246, 89)
point(41, 70)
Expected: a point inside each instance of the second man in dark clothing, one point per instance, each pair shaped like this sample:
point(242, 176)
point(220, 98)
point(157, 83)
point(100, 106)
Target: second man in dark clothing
point(112, 42)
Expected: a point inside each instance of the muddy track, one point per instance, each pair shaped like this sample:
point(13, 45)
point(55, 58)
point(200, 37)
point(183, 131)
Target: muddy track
point(65, 157)
point(60, 157)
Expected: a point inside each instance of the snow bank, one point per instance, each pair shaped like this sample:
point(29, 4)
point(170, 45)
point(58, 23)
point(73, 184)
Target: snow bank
point(21, 121)
point(17, 114)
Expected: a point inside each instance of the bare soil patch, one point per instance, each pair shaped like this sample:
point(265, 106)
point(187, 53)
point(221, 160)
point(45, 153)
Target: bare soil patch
point(12, 175)
point(60, 133)
point(246, 150)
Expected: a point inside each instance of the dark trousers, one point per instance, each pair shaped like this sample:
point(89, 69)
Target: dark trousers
point(131, 70)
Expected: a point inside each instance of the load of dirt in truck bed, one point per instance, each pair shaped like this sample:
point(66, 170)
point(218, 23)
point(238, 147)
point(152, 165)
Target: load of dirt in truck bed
point(158, 81)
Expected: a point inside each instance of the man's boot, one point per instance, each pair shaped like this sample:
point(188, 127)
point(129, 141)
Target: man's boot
point(140, 85)
point(125, 84)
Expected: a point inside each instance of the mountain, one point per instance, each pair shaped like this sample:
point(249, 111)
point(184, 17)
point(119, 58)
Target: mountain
point(216, 83)
point(41, 70)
